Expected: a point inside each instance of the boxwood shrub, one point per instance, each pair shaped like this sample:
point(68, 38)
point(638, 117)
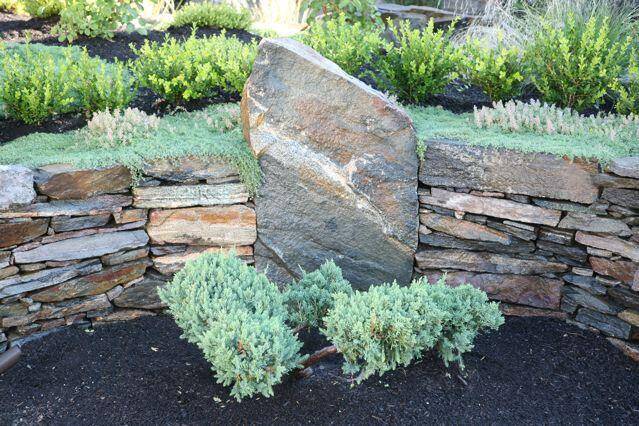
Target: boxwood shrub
point(37, 82)
point(208, 14)
point(196, 68)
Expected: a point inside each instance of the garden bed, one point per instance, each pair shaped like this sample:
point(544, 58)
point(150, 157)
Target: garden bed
point(141, 372)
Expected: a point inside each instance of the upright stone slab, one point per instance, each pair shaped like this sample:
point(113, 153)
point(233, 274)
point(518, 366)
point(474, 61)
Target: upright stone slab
point(340, 169)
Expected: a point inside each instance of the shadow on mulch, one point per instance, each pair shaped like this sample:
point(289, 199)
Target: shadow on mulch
point(531, 371)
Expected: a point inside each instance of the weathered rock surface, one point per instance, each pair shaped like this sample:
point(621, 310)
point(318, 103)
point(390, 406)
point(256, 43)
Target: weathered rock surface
point(494, 207)
point(8, 271)
point(527, 290)
point(463, 229)
point(91, 285)
point(340, 169)
point(575, 253)
point(124, 256)
point(438, 239)
point(189, 195)
point(484, 262)
point(46, 278)
point(67, 182)
point(624, 296)
point(185, 169)
point(452, 164)
point(212, 226)
point(587, 283)
point(526, 311)
point(16, 186)
point(84, 247)
point(627, 167)
point(172, 263)
point(122, 315)
point(90, 206)
point(130, 215)
point(593, 223)
point(625, 271)
point(623, 197)
point(143, 295)
point(66, 223)
point(613, 244)
point(21, 231)
point(580, 297)
point(609, 325)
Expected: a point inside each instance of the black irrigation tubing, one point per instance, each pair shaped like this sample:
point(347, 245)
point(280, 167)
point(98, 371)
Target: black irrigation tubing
point(9, 358)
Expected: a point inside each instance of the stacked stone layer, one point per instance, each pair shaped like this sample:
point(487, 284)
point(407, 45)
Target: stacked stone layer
point(86, 246)
point(543, 235)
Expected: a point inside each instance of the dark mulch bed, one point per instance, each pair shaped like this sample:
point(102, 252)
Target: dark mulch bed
point(17, 28)
point(531, 371)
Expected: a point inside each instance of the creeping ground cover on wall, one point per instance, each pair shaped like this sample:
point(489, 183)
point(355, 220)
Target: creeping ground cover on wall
point(213, 132)
point(437, 123)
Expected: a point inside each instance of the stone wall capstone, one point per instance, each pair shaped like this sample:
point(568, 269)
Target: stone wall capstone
point(340, 169)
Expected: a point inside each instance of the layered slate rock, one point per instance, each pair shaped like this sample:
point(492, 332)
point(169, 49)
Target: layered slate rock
point(189, 195)
point(463, 229)
point(46, 278)
point(505, 209)
point(94, 284)
point(455, 164)
point(143, 295)
point(616, 245)
point(172, 263)
point(83, 247)
point(627, 167)
point(593, 223)
point(485, 262)
point(623, 197)
point(186, 169)
point(16, 186)
point(539, 292)
point(21, 231)
point(340, 169)
point(67, 182)
point(90, 206)
point(627, 272)
point(67, 223)
point(218, 225)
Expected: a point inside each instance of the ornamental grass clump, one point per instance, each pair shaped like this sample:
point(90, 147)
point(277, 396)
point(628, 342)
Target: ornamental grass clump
point(196, 68)
point(237, 318)
point(537, 117)
point(39, 83)
point(422, 64)
point(352, 46)
point(208, 14)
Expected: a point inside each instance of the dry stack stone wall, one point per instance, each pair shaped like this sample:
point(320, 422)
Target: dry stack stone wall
point(544, 235)
point(81, 246)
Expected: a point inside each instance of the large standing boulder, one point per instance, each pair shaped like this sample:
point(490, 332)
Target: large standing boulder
point(340, 169)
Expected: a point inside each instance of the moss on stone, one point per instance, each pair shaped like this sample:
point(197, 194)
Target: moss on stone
point(432, 123)
point(210, 132)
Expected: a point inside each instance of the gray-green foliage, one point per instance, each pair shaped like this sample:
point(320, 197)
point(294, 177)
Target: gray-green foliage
point(309, 299)
point(465, 310)
point(213, 132)
point(237, 318)
point(382, 328)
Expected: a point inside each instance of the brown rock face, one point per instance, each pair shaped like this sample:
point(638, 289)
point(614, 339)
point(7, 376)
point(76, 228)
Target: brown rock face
point(613, 244)
point(340, 169)
point(219, 225)
point(628, 272)
point(189, 195)
point(91, 285)
point(91, 206)
point(66, 182)
point(532, 291)
point(593, 223)
point(623, 197)
point(191, 168)
point(491, 207)
point(484, 262)
point(172, 263)
point(463, 229)
point(21, 231)
point(452, 164)
point(627, 166)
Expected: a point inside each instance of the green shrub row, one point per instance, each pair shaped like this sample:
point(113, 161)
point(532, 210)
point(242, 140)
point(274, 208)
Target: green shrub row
point(37, 83)
point(207, 14)
point(246, 327)
point(579, 65)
